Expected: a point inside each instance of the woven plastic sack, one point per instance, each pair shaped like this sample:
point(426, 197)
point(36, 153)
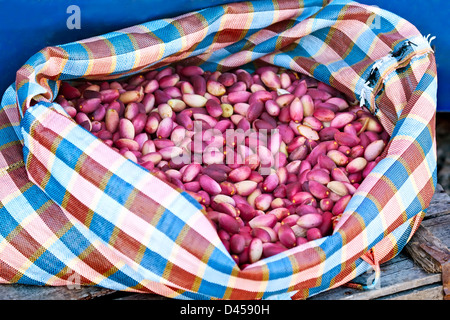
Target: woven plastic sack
point(71, 207)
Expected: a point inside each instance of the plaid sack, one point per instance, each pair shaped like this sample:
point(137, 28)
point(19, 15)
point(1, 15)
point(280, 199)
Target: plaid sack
point(73, 207)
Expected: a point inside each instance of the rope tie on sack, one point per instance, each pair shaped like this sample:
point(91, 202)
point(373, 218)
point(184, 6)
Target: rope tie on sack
point(370, 258)
point(366, 91)
point(428, 38)
point(391, 58)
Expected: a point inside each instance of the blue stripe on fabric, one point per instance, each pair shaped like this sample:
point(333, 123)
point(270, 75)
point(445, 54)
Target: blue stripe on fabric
point(8, 135)
point(307, 47)
point(397, 174)
point(218, 260)
point(24, 279)
point(35, 193)
point(332, 268)
point(170, 225)
point(9, 223)
point(414, 207)
point(22, 92)
point(78, 62)
point(211, 289)
point(425, 140)
point(214, 21)
point(203, 45)
point(262, 15)
point(191, 200)
point(68, 152)
point(49, 263)
point(102, 227)
point(365, 40)
point(322, 73)
point(154, 262)
point(54, 187)
point(156, 25)
point(187, 295)
point(367, 209)
point(120, 277)
point(219, 267)
point(332, 246)
point(123, 52)
point(118, 189)
point(279, 272)
point(212, 16)
point(172, 39)
point(73, 241)
point(360, 268)
point(408, 127)
point(28, 120)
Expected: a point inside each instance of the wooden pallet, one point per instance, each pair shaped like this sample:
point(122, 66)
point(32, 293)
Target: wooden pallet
point(420, 272)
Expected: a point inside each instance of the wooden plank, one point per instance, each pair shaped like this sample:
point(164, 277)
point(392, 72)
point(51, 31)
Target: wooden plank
point(26, 292)
point(417, 249)
point(142, 296)
point(439, 205)
point(439, 226)
point(399, 275)
point(429, 292)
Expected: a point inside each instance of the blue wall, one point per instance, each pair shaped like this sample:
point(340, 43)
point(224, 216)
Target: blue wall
point(28, 26)
point(428, 17)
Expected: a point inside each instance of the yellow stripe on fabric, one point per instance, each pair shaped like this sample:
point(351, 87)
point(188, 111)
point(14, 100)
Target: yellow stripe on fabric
point(82, 256)
point(136, 53)
point(90, 59)
point(204, 30)
point(15, 195)
point(143, 59)
point(112, 58)
point(225, 22)
point(416, 220)
point(11, 167)
point(275, 12)
point(393, 244)
point(232, 280)
point(248, 23)
point(160, 289)
point(146, 238)
point(26, 80)
point(114, 268)
point(66, 227)
point(21, 270)
point(298, 273)
point(160, 45)
point(264, 282)
point(32, 151)
point(6, 109)
point(279, 41)
point(380, 208)
point(214, 41)
point(121, 216)
point(4, 203)
point(175, 252)
point(10, 144)
point(411, 174)
point(9, 125)
point(346, 246)
point(181, 32)
point(344, 278)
